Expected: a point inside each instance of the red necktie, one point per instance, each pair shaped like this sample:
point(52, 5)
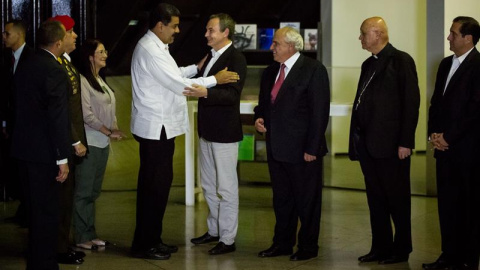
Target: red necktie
point(278, 84)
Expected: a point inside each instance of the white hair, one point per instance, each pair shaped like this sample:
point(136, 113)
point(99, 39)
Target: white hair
point(293, 37)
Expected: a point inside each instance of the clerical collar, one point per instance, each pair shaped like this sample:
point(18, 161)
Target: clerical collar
point(383, 52)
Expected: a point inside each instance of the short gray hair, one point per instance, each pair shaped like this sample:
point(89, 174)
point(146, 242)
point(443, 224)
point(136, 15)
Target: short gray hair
point(293, 37)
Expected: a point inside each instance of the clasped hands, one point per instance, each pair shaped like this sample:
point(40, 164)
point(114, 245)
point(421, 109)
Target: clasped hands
point(438, 141)
point(223, 77)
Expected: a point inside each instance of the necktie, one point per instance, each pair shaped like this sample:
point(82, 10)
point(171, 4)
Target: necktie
point(278, 84)
point(13, 64)
point(455, 64)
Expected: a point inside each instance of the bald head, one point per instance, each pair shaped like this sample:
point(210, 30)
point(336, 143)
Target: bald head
point(374, 34)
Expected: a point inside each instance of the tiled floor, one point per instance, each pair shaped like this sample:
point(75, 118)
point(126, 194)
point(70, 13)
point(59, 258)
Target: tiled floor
point(345, 234)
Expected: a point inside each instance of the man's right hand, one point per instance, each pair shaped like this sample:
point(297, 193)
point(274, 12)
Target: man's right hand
point(260, 125)
point(225, 76)
point(438, 141)
point(80, 150)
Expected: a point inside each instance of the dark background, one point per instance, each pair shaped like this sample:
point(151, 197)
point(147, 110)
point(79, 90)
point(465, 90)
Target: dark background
point(108, 20)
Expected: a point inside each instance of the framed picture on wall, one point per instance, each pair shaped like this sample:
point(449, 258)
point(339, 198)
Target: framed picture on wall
point(265, 37)
point(294, 25)
point(245, 37)
point(310, 39)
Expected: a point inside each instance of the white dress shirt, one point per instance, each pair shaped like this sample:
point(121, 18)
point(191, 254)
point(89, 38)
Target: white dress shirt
point(456, 61)
point(215, 56)
point(17, 55)
point(157, 90)
point(289, 64)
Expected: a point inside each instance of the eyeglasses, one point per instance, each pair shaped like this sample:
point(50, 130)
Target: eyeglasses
point(102, 52)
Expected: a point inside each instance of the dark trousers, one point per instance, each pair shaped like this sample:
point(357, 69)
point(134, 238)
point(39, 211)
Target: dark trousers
point(387, 182)
point(10, 181)
point(458, 190)
point(154, 181)
point(41, 190)
point(65, 196)
point(297, 194)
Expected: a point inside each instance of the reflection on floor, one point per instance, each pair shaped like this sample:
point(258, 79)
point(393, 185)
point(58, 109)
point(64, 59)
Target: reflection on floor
point(345, 234)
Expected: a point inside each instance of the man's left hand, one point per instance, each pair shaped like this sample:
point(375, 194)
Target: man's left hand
point(404, 152)
point(309, 158)
point(195, 91)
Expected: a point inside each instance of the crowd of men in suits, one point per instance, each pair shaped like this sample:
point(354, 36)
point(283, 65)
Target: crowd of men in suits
point(293, 113)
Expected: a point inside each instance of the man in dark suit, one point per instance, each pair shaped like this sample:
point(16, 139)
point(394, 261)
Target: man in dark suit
point(14, 39)
point(293, 111)
point(454, 130)
point(382, 136)
point(66, 255)
point(41, 141)
point(219, 131)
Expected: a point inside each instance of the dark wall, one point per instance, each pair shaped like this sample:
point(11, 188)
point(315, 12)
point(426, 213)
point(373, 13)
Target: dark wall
point(190, 45)
point(110, 21)
point(33, 12)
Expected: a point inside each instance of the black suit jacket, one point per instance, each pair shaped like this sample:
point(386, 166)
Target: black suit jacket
point(456, 113)
point(8, 95)
point(391, 106)
point(297, 121)
point(218, 116)
point(41, 132)
point(77, 127)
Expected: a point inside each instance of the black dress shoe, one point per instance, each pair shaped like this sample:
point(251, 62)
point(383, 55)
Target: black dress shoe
point(394, 259)
point(274, 251)
point(78, 254)
point(372, 257)
point(151, 254)
point(206, 238)
point(68, 258)
point(221, 248)
point(164, 248)
point(464, 266)
point(302, 255)
point(439, 264)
